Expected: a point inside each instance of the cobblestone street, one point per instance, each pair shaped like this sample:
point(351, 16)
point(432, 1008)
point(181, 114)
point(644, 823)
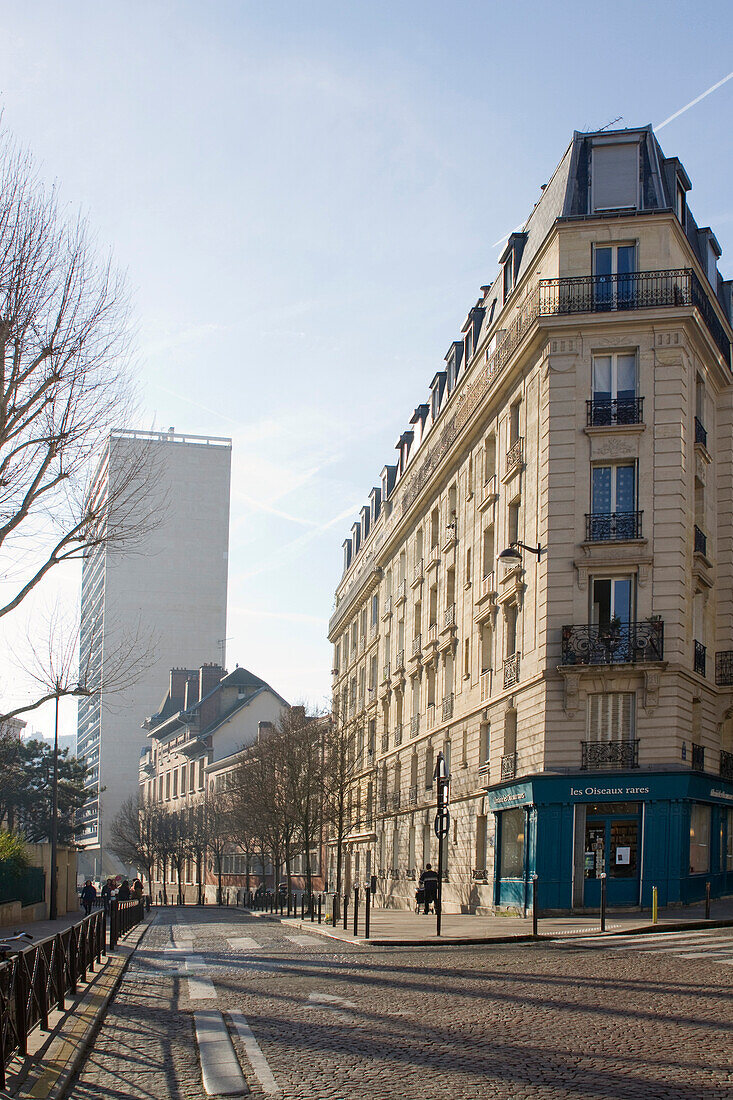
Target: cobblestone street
point(327, 1019)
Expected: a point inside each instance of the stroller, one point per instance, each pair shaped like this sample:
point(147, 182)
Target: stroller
point(419, 899)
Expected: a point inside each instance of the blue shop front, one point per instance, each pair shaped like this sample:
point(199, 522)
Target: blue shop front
point(672, 830)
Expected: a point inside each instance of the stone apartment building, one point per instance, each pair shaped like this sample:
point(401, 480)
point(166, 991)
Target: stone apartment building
point(205, 720)
point(541, 585)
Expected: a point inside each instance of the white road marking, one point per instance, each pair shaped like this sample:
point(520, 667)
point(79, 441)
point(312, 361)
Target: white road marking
point(256, 1058)
point(244, 943)
point(306, 941)
point(330, 999)
point(220, 1070)
point(199, 988)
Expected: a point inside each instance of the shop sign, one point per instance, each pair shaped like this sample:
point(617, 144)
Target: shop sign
point(605, 792)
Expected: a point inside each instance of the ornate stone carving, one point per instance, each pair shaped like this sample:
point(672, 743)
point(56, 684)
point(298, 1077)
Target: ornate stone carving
point(571, 698)
point(615, 446)
point(651, 689)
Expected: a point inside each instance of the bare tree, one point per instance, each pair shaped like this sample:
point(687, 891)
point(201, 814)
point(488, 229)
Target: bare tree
point(302, 739)
point(134, 835)
point(64, 384)
point(343, 760)
point(219, 831)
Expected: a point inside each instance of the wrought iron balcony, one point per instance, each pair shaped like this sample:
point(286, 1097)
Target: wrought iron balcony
point(485, 684)
point(514, 454)
point(417, 572)
point(698, 758)
point(416, 645)
point(488, 492)
point(509, 765)
point(724, 667)
point(387, 608)
point(613, 643)
point(383, 806)
point(610, 412)
point(385, 742)
point(612, 526)
point(449, 618)
point(412, 795)
point(401, 594)
point(398, 734)
point(385, 671)
point(432, 633)
point(634, 290)
point(701, 542)
point(430, 716)
point(700, 654)
point(448, 707)
point(726, 765)
point(415, 725)
point(511, 670)
point(701, 436)
point(599, 755)
point(396, 800)
point(399, 661)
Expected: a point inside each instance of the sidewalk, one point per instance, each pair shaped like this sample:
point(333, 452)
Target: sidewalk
point(391, 926)
point(42, 929)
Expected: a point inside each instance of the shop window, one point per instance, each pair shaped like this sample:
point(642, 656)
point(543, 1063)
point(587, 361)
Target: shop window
point(512, 844)
point(699, 839)
point(729, 853)
point(481, 823)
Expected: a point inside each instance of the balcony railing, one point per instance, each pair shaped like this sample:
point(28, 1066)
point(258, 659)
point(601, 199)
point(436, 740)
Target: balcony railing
point(387, 608)
point(430, 716)
point(698, 758)
point(509, 765)
point(609, 754)
point(412, 795)
point(401, 594)
point(399, 661)
point(485, 685)
point(480, 874)
point(726, 765)
point(699, 660)
point(613, 643)
point(396, 800)
point(724, 667)
point(511, 670)
point(385, 742)
point(385, 671)
point(612, 526)
point(634, 290)
point(417, 645)
point(432, 632)
point(487, 584)
point(449, 617)
point(514, 454)
point(701, 542)
point(415, 725)
point(417, 571)
point(488, 491)
point(383, 807)
point(701, 436)
point(448, 707)
point(610, 412)
point(398, 734)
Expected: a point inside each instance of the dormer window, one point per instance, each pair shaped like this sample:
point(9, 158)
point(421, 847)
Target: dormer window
point(615, 176)
point(508, 275)
point(681, 208)
point(469, 345)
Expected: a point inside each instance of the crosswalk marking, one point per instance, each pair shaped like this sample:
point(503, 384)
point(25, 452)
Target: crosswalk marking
point(694, 944)
point(244, 943)
point(200, 988)
point(305, 941)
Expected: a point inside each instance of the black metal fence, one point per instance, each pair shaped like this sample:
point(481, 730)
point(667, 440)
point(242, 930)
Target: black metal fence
point(613, 643)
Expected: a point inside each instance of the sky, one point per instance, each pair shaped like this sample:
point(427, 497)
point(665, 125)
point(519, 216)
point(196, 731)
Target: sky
point(306, 198)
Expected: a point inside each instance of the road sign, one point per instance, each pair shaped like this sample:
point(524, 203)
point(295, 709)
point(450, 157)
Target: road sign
point(442, 824)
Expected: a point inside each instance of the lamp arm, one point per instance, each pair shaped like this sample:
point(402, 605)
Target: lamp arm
point(531, 549)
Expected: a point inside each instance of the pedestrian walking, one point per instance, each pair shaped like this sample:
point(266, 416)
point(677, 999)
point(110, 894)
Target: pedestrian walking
point(107, 894)
point(123, 894)
point(429, 886)
point(88, 896)
point(137, 890)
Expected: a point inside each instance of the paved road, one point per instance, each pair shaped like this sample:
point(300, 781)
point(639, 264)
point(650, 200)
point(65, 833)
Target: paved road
point(305, 1016)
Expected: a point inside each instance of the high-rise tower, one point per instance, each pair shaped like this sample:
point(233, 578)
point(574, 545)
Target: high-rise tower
point(167, 588)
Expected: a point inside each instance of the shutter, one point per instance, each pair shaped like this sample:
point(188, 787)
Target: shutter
point(615, 177)
point(611, 716)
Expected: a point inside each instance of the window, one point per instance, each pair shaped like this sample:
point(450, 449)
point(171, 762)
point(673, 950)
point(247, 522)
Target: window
point(612, 599)
point(434, 527)
point(467, 658)
point(489, 458)
point(513, 521)
point(488, 551)
point(484, 745)
point(201, 774)
point(510, 635)
point(375, 609)
point(681, 206)
point(167, 784)
point(512, 844)
point(615, 176)
point(468, 566)
point(613, 491)
point(699, 839)
point(175, 783)
point(729, 856)
point(481, 823)
point(429, 767)
point(514, 423)
point(411, 849)
point(614, 285)
point(614, 389)
point(508, 276)
point(611, 716)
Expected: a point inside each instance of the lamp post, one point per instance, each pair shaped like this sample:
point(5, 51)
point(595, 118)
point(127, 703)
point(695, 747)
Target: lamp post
point(52, 908)
point(512, 556)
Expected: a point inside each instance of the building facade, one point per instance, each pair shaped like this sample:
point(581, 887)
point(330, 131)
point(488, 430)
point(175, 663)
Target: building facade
point(195, 742)
point(579, 685)
point(167, 590)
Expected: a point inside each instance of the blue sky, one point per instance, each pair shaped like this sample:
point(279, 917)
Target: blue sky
point(306, 197)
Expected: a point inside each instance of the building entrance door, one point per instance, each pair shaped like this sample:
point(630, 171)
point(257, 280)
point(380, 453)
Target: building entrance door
point(612, 845)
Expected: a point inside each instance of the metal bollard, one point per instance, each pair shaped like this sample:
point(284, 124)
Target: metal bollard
point(655, 905)
point(313, 908)
point(603, 901)
point(346, 912)
point(535, 910)
point(320, 902)
point(707, 901)
point(302, 906)
point(335, 910)
point(356, 910)
point(367, 910)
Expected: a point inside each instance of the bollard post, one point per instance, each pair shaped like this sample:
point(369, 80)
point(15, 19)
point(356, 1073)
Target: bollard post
point(335, 910)
point(356, 910)
point(535, 910)
point(603, 901)
point(655, 906)
point(313, 908)
point(320, 902)
point(289, 902)
point(367, 910)
point(302, 906)
point(707, 901)
point(346, 912)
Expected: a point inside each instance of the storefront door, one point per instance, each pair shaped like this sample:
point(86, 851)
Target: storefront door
point(613, 846)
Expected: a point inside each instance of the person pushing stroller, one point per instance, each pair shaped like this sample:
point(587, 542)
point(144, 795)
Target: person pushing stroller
point(428, 887)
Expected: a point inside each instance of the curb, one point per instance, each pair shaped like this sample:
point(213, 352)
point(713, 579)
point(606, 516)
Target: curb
point(49, 1078)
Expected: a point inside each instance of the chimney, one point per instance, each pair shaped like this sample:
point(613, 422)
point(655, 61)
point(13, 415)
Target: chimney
point(177, 686)
point(298, 714)
point(263, 729)
point(192, 691)
point(209, 677)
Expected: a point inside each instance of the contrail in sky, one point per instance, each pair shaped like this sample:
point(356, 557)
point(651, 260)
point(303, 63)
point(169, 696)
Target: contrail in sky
point(693, 102)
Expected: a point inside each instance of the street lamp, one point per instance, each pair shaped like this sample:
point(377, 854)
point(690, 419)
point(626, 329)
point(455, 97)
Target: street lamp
point(52, 908)
point(512, 556)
